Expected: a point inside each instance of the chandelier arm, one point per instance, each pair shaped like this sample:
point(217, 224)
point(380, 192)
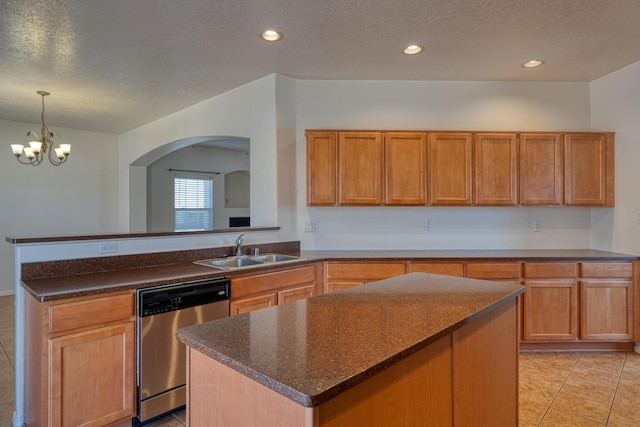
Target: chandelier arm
point(33, 162)
point(56, 162)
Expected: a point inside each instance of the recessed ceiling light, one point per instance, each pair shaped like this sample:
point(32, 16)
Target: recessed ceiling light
point(412, 49)
point(533, 63)
point(271, 35)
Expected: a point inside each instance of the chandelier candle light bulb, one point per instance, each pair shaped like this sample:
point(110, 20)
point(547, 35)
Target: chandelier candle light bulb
point(37, 149)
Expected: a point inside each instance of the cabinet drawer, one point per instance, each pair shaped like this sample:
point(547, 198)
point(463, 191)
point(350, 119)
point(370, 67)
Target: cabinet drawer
point(493, 270)
point(544, 270)
point(364, 271)
point(90, 312)
point(607, 269)
point(259, 283)
point(446, 269)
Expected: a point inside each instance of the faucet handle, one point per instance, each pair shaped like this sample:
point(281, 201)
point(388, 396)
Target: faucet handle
point(240, 239)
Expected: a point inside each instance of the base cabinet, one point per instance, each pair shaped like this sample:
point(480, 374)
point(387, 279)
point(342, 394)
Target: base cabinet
point(80, 361)
point(606, 310)
point(586, 301)
point(585, 304)
point(607, 295)
point(550, 310)
point(257, 291)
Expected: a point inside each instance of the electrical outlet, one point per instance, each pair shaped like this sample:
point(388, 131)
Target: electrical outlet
point(427, 225)
point(311, 226)
point(537, 226)
point(108, 247)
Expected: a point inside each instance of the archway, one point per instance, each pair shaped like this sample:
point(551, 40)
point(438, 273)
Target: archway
point(139, 185)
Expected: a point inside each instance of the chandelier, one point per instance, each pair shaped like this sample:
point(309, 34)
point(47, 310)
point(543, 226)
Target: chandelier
point(35, 153)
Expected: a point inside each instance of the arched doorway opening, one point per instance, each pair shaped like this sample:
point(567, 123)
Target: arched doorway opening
point(152, 176)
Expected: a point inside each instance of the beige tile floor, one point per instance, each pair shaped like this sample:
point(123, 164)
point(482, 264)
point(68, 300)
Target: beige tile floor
point(7, 360)
point(177, 419)
point(580, 389)
point(556, 389)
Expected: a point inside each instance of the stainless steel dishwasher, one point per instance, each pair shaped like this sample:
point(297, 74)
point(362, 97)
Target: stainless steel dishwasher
point(161, 358)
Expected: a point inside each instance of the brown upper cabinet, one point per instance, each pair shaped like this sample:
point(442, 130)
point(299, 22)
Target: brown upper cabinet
point(588, 169)
point(322, 168)
point(410, 168)
point(450, 156)
point(360, 163)
point(405, 169)
point(540, 169)
point(495, 168)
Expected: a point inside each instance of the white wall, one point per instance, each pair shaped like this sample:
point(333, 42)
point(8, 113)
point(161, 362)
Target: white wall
point(248, 111)
point(287, 155)
point(75, 198)
point(90, 194)
point(490, 106)
point(615, 105)
point(195, 158)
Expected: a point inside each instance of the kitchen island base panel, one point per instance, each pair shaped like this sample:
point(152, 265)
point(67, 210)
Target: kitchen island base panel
point(469, 375)
point(218, 396)
point(485, 360)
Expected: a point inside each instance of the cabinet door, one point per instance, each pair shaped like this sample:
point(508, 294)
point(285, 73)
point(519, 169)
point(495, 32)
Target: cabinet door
point(245, 305)
point(588, 169)
point(450, 168)
point(360, 170)
point(322, 168)
point(405, 168)
point(495, 169)
point(550, 310)
point(92, 376)
point(297, 293)
point(606, 310)
point(540, 174)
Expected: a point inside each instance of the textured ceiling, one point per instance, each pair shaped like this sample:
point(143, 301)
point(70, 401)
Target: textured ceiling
point(113, 65)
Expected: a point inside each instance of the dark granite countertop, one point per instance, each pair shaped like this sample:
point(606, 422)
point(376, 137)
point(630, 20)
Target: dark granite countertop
point(312, 350)
point(54, 280)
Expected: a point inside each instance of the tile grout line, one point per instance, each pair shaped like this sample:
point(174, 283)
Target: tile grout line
point(615, 391)
point(4, 350)
point(559, 388)
point(177, 418)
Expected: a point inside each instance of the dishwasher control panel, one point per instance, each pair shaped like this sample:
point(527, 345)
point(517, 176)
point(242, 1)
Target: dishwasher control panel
point(163, 299)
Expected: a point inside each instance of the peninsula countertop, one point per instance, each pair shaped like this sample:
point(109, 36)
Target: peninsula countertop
point(53, 280)
point(312, 350)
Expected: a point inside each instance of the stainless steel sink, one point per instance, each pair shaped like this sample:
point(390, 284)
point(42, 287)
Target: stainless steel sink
point(235, 262)
point(274, 258)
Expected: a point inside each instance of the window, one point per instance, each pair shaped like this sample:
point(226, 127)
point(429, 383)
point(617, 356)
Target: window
point(193, 203)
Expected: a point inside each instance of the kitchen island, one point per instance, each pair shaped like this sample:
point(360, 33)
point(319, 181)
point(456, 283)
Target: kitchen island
point(415, 350)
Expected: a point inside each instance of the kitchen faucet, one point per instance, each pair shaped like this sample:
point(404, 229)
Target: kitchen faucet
point(239, 243)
